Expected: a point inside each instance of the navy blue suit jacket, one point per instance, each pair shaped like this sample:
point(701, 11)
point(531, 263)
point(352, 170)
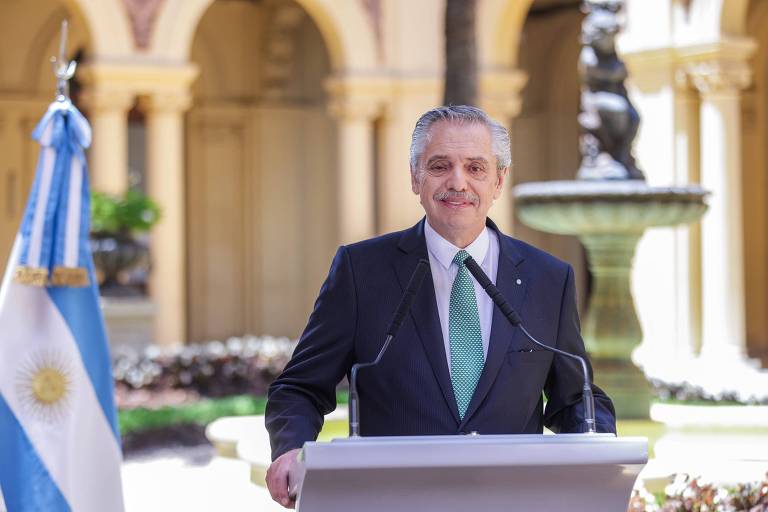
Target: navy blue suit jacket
point(410, 391)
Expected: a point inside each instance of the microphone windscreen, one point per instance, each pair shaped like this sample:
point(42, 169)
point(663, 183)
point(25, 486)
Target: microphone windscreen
point(477, 272)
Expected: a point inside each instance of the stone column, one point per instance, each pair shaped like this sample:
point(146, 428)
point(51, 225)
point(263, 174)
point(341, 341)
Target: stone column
point(687, 238)
point(108, 114)
point(719, 82)
point(501, 98)
point(165, 180)
point(409, 98)
point(354, 109)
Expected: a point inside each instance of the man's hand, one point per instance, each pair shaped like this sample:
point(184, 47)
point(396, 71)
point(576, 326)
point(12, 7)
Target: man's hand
point(277, 478)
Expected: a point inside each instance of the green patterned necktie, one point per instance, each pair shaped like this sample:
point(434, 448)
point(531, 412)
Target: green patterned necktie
point(467, 357)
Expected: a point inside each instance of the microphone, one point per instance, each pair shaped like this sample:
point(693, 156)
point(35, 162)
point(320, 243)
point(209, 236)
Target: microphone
point(515, 320)
point(397, 320)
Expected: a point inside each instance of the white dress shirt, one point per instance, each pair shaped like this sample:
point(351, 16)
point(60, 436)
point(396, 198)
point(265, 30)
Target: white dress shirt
point(485, 251)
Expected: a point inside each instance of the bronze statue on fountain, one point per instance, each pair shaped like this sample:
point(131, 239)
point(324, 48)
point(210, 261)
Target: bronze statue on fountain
point(608, 120)
point(609, 207)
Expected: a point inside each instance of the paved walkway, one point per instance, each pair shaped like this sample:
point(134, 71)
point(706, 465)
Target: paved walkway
point(192, 480)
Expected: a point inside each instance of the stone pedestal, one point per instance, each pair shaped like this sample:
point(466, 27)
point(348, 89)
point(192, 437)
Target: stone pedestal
point(129, 321)
point(611, 329)
point(626, 384)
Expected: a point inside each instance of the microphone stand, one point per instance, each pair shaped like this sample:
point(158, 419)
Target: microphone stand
point(405, 305)
point(511, 315)
point(354, 405)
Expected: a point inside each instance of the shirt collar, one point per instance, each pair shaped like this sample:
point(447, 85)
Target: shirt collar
point(444, 251)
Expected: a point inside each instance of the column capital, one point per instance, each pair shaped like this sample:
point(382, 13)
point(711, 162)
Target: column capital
point(719, 76)
point(356, 98)
point(100, 99)
point(500, 91)
point(166, 102)
point(718, 67)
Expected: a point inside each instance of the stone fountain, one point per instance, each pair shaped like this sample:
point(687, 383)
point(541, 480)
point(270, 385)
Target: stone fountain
point(608, 207)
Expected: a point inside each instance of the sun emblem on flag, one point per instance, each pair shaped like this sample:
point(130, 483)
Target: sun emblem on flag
point(45, 385)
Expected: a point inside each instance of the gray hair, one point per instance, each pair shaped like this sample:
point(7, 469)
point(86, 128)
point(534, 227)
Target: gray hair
point(460, 114)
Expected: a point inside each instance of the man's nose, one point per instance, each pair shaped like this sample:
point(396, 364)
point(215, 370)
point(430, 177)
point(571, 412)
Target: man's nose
point(457, 179)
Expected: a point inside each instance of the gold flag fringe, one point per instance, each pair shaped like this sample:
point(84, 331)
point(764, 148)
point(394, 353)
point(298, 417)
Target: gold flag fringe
point(69, 276)
point(31, 276)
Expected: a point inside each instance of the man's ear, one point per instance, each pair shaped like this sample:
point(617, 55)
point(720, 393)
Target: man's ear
point(415, 185)
point(500, 176)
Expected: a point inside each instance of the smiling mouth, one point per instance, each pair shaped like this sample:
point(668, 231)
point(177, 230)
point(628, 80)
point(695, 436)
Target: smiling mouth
point(456, 200)
point(453, 204)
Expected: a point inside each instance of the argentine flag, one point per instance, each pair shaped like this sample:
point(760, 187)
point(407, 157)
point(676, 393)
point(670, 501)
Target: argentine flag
point(59, 443)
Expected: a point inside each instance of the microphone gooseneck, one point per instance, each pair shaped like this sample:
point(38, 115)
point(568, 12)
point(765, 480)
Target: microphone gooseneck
point(515, 320)
point(417, 278)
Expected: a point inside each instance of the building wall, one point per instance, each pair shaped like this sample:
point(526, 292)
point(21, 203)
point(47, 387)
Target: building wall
point(755, 203)
point(260, 174)
point(276, 130)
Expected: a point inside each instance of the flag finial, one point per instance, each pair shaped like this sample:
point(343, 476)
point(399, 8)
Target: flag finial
point(62, 68)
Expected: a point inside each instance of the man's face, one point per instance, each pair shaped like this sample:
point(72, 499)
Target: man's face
point(457, 180)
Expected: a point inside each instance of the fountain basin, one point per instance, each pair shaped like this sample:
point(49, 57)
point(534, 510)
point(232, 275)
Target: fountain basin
point(609, 217)
point(606, 207)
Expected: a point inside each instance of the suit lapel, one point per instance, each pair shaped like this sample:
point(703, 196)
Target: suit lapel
point(507, 277)
point(424, 311)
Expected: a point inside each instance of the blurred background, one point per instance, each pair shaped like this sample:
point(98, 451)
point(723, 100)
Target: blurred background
point(237, 143)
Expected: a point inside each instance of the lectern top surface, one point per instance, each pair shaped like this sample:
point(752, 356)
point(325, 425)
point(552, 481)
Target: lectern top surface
point(477, 450)
point(492, 438)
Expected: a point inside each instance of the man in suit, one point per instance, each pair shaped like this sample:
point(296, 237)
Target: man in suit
point(457, 365)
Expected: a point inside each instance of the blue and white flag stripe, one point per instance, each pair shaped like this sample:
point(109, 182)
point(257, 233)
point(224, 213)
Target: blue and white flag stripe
point(34, 224)
point(71, 228)
point(40, 491)
point(59, 441)
point(68, 441)
point(2, 501)
point(58, 208)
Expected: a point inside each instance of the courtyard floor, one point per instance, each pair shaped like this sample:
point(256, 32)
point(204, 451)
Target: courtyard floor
point(192, 480)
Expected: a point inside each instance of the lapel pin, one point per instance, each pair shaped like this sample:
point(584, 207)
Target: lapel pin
point(519, 281)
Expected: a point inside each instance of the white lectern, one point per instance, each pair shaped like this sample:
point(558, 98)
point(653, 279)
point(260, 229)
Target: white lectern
point(566, 472)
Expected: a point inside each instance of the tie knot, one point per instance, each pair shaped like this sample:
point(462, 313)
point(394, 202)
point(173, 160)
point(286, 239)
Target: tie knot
point(460, 257)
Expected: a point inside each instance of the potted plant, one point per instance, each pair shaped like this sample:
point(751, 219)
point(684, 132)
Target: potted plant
point(116, 223)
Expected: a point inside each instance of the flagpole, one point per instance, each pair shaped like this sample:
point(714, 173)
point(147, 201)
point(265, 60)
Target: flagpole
point(63, 69)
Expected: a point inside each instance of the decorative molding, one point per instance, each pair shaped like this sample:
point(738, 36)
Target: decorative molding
point(284, 19)
point(500, 92)
point(356, 98)
point(374, 11)
point(142, 14)
point(732, 48)
point(138, 79)
point(717, 66)
point(101, 99)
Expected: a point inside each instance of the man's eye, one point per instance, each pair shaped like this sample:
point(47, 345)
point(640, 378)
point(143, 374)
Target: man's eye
point(476, 169)
point(438, 168)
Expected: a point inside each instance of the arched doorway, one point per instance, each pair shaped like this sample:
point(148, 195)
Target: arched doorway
point(261, 167)
point(545, 135)
point(29, 36)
